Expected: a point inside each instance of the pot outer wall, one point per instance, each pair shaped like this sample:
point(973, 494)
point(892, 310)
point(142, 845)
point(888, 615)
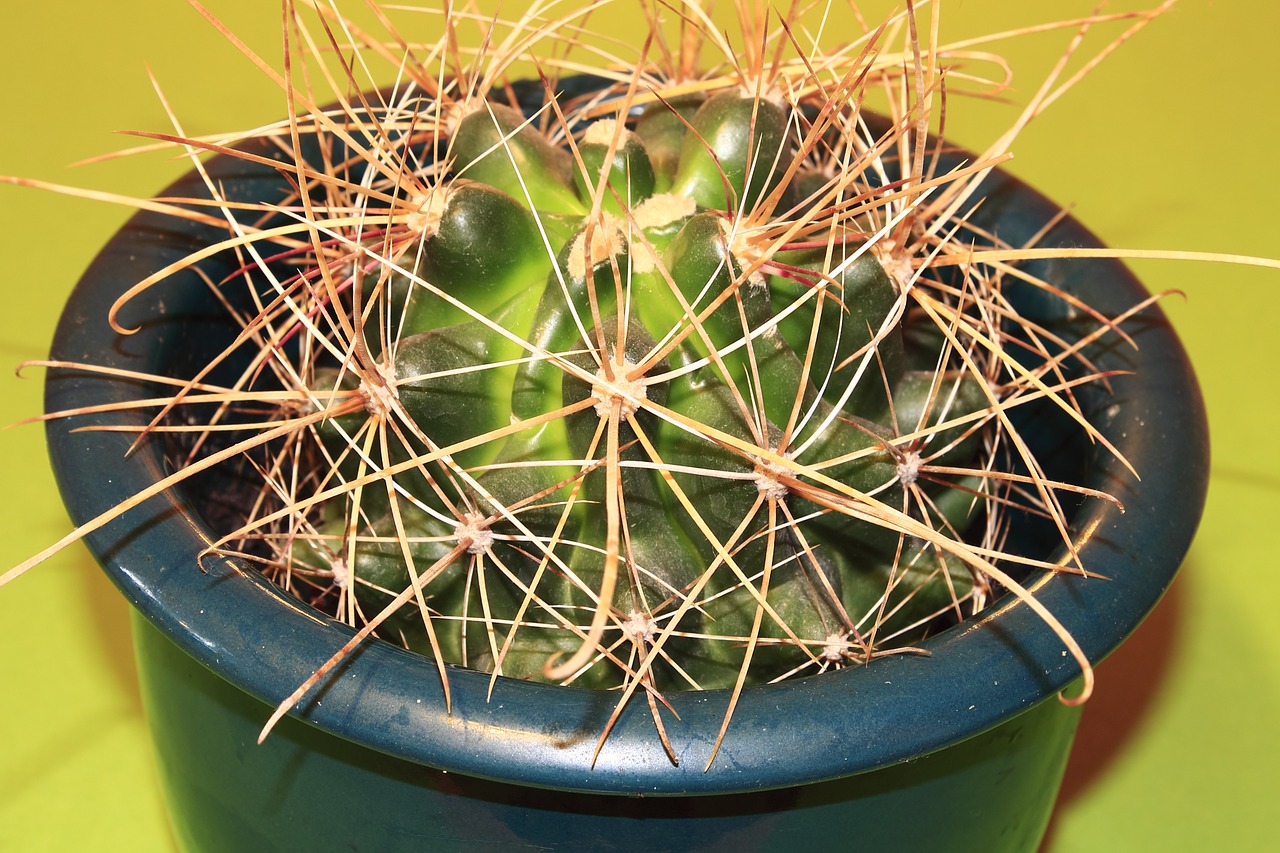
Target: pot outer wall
point(963, 750)
point(305, 790)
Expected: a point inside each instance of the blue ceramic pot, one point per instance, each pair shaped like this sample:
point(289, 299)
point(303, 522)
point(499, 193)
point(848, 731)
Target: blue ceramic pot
point(960, 750)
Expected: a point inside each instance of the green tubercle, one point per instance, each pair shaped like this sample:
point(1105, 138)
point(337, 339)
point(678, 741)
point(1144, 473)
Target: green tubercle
point(736, 152)
point(496, 145)
point(617, 153)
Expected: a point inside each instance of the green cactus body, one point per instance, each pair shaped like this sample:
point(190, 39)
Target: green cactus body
point(662, 127)
point(483, 251)
point(735, 153)
point(648, 405)
point(856, 297)
point(630, 177)
point(495, 145)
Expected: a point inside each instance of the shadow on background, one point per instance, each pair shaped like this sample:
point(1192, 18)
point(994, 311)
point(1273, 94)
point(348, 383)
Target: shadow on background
point(1129, 685)
point(110, 614)
point(115, 634)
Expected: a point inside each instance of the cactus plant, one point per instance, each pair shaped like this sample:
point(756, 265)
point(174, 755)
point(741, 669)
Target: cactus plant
point(676, 377)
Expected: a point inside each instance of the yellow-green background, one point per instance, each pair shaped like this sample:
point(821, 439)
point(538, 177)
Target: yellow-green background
point(1171, 144)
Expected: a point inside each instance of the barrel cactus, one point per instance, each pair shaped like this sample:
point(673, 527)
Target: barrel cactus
point(622, 414)
point(672, 377)
point(649, 381)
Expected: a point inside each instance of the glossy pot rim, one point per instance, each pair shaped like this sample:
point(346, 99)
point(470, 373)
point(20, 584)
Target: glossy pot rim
point(804, 730)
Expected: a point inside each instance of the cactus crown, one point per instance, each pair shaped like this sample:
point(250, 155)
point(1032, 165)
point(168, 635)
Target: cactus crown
point(668, 379)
